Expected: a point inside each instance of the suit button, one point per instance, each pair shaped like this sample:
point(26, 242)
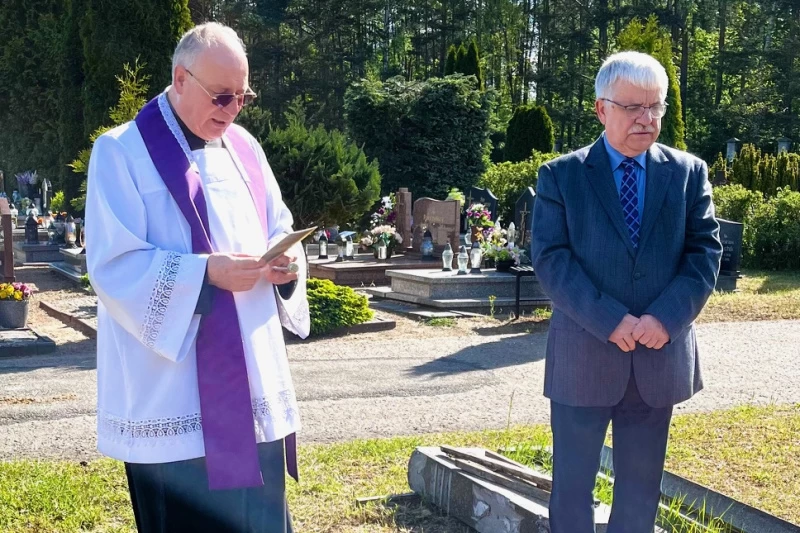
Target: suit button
point(637, 275)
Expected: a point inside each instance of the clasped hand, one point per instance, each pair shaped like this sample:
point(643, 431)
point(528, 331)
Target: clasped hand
point(240, 272)
point(647, 331)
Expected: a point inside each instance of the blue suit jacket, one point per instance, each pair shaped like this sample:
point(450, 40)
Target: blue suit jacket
point(585, 262)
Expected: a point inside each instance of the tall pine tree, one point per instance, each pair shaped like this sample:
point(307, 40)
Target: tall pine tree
point(118, 32)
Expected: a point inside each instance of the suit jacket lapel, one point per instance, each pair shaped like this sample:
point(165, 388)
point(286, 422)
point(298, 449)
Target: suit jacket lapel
point(600, 177)
point(659, 176)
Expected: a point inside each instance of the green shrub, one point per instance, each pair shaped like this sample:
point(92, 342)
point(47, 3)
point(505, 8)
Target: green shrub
point(428, 135)
point(450, 62)
point(57, 202)
point(508, 180)
point(334, 306)
point(771, 228)
point(324, 177)
point(529, 129)
point(764, 172)
point(775, 240)
point(734, 202)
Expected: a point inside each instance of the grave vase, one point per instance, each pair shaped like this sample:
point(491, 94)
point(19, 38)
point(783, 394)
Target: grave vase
point(475, 232)
point(13, 313)
point(504, 265)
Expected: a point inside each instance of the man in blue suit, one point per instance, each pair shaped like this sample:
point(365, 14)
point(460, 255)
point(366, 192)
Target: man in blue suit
point(627, 247)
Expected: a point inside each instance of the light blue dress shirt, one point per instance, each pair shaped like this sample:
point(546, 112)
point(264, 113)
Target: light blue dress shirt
point(616, 160)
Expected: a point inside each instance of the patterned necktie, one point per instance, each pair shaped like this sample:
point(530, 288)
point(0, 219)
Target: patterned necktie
point(629, 197)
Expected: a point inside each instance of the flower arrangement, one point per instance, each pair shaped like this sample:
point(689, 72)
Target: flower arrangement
point(27, 178)
point(478, 215)
point(15, 291)
point(386, 233)
point(495, 246)
point(385, 215)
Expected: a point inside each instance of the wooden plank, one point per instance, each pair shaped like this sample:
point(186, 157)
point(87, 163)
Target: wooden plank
point(542, 481)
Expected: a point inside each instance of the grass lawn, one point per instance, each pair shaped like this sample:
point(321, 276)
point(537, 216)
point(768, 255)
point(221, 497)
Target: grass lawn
point(749, 453)
point(763, 296)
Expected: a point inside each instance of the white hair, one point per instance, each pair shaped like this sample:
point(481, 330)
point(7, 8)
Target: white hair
point(201, 38)
point(636, 68)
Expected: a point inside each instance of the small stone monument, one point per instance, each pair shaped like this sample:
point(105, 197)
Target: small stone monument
point(523, 217)
point(403, 222)
point(730, 234)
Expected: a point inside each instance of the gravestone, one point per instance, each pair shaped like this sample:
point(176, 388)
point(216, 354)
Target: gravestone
point(730, 234)
point(523, 216)
point(441, 217)
point(403, 221)
point(477, 195)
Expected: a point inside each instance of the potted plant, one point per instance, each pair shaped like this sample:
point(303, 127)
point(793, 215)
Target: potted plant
point(496, 249)
point(14, 300)
point(387, 234)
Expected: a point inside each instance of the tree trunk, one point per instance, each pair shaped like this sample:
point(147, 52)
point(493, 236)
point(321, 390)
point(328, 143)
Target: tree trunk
point(723, 4)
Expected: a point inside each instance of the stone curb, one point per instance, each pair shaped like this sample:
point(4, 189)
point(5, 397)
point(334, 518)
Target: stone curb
point(71, 321)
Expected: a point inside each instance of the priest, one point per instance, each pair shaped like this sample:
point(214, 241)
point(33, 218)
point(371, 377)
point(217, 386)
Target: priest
point(194, 389)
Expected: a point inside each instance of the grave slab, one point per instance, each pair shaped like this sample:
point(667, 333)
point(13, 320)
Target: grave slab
point(20, 342)
point(483, 505)
point(36, 253)
point(364, 270)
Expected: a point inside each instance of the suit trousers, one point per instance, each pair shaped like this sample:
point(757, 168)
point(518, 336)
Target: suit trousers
point(174, 498)
point(639, 433)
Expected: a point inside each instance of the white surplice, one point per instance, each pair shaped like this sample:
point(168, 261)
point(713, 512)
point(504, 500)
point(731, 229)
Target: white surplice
point(140, 262)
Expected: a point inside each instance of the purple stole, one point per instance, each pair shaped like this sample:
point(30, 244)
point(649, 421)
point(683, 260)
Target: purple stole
point(225, 404)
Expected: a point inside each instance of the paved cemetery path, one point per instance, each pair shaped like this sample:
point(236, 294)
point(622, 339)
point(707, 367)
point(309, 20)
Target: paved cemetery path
point(364, 386)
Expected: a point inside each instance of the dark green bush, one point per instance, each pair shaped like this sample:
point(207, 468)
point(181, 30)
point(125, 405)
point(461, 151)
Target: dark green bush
point(429, 136)
point(325, 178)
point(334, 306)
point(529, 129)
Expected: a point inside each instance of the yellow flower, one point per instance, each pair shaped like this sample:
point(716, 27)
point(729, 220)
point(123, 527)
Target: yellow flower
point(18, 295)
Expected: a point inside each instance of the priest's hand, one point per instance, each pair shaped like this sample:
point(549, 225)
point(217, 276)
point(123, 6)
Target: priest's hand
point(650, 332)
point(277, 273)
point(234, 272)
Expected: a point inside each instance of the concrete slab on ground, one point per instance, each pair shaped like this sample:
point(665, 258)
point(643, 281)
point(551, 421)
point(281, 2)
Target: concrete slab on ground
point(19, 342)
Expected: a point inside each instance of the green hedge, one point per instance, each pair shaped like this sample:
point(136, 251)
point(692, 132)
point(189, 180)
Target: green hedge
point(508, 180)
point(771, 227)
point(334, 306)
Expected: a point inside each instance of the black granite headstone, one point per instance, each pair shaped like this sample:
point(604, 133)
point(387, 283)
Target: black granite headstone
point(730, 233)
point(523, 216)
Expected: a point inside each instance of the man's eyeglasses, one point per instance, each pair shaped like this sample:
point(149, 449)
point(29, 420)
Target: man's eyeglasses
point(636, 111)
point(224, 100)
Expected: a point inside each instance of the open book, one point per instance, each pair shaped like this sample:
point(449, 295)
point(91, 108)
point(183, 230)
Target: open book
point(286, 242)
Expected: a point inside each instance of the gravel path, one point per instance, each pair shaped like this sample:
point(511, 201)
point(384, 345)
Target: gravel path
point(418, 379)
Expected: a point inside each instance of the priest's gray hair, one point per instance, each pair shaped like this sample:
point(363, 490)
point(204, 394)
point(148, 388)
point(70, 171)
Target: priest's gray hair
point(201, 38)
point(636, 68)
